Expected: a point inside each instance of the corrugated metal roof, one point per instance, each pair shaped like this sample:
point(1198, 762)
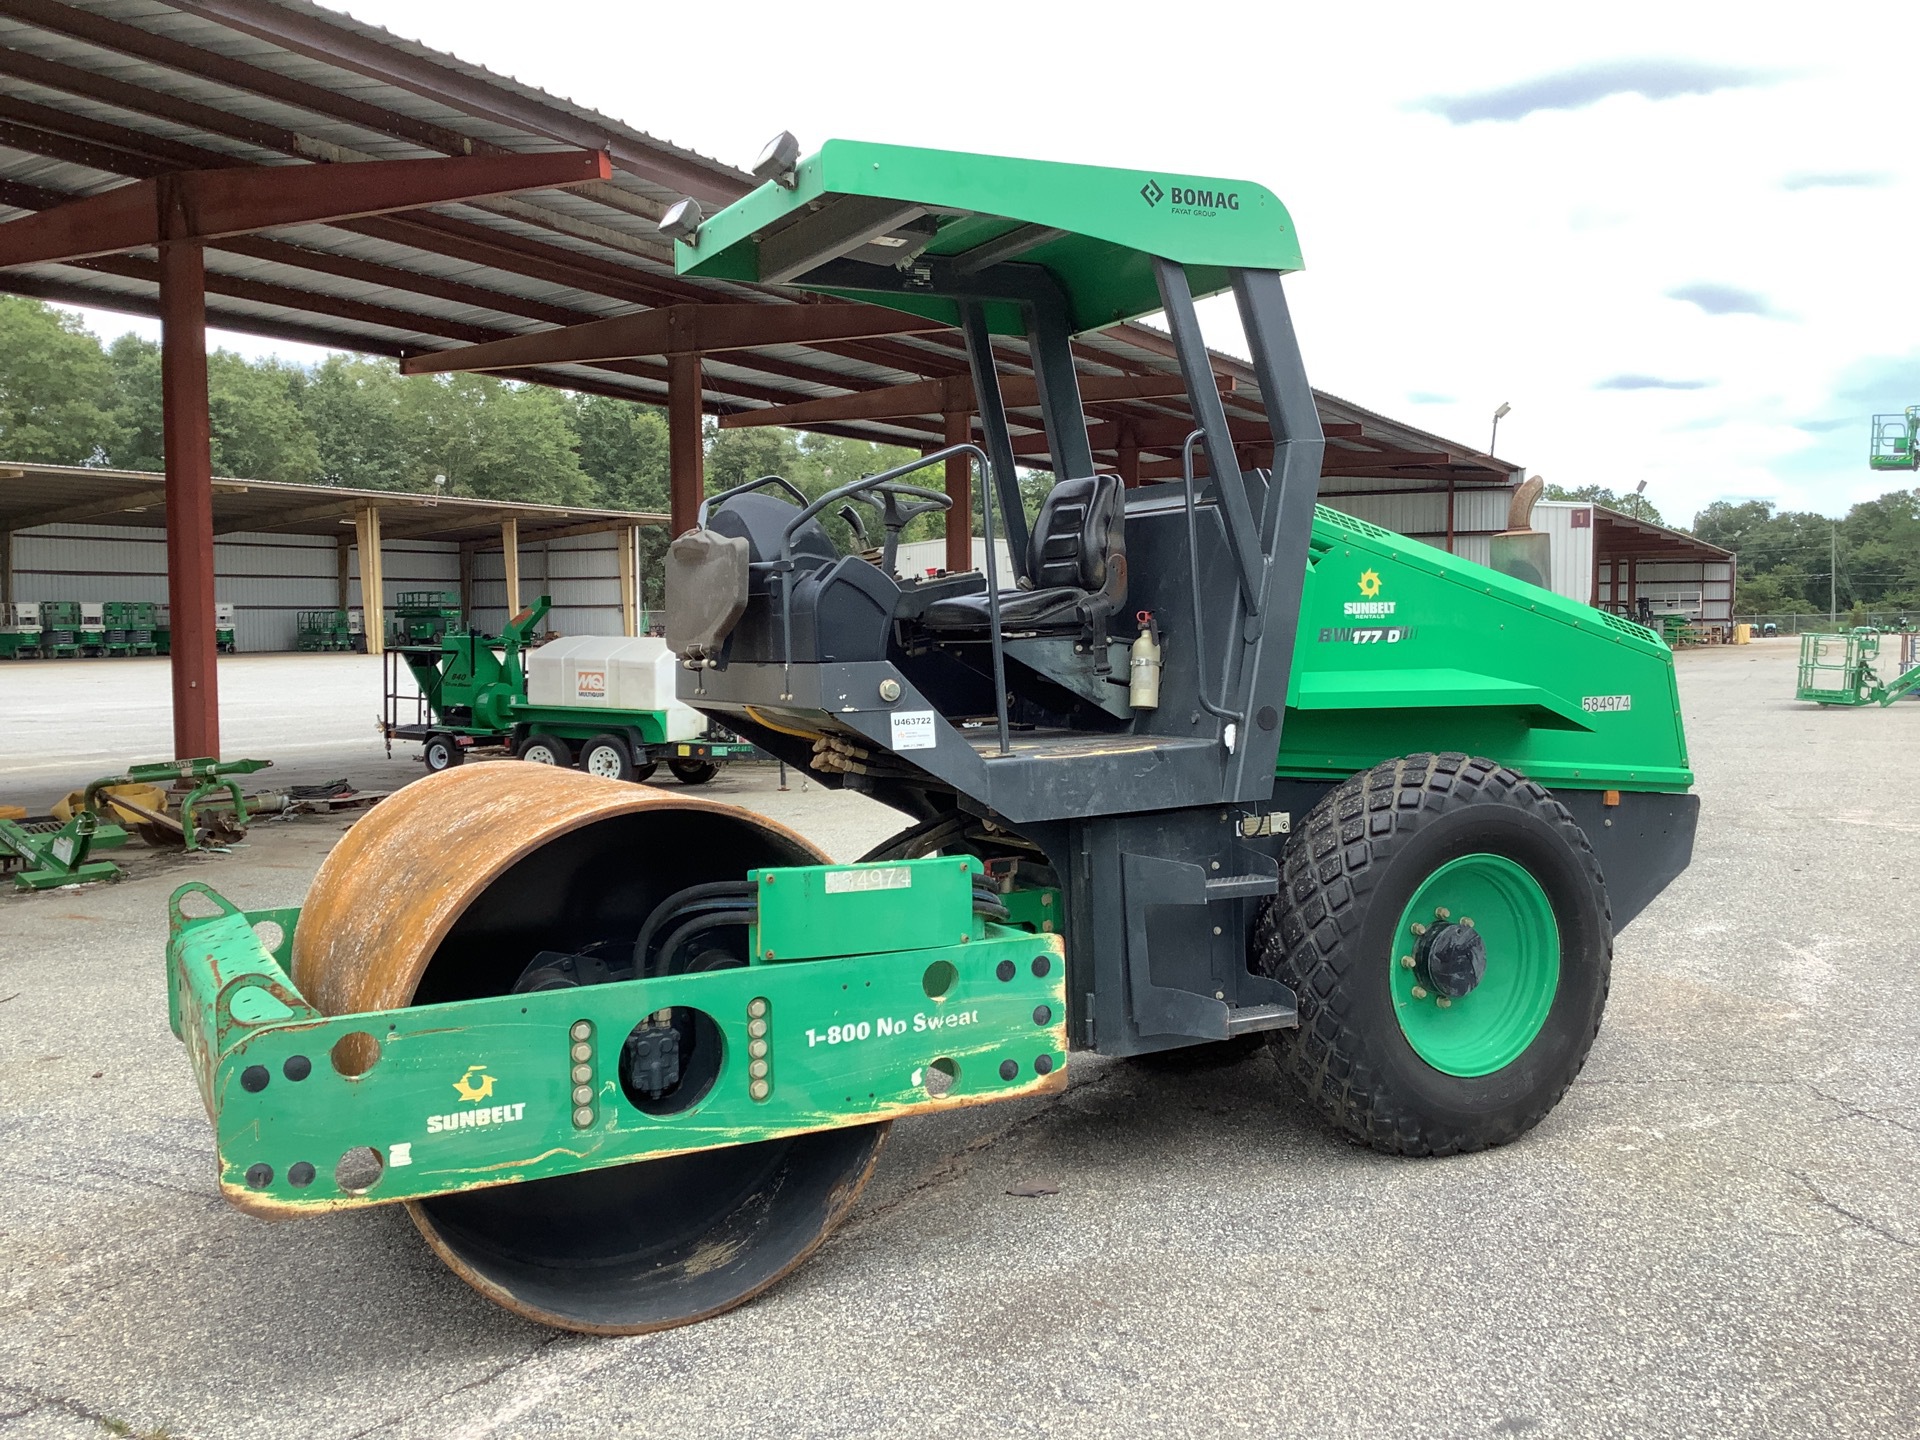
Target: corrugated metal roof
point(33, 496)
point(94, 93)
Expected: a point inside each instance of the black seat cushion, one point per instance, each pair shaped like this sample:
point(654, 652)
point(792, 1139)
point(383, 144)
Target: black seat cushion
point(1076, 565)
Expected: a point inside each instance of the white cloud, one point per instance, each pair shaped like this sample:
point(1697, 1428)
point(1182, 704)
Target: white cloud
point(1527, 259)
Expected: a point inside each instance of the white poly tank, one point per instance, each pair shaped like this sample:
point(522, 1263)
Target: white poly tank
point(611, 672)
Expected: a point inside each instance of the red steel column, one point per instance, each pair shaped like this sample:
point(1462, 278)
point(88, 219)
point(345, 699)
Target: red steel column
point(188, 437)
point(686, 453)
point(960, 487)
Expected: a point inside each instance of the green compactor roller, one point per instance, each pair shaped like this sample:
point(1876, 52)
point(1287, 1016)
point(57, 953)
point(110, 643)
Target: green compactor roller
point(1214, 766)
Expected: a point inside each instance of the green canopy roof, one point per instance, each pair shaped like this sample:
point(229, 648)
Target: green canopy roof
point(877, 221)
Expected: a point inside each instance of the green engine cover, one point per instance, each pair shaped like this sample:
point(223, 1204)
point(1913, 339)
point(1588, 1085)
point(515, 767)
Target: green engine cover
point(1404, 648)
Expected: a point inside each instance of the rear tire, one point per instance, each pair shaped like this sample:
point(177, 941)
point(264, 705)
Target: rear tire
point(1375, 1049)
point(608, 757)
point(441, 753)
point(645, 772)
point(693, 772)
point(540, 749)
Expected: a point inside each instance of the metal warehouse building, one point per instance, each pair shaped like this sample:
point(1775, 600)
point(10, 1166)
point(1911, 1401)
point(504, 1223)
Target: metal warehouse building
point(71, 533)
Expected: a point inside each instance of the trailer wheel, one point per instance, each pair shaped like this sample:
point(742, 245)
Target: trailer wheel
point(608, 757)
point(1445, 926)
point(545, 750)
point(441, 753)
point(693, 772)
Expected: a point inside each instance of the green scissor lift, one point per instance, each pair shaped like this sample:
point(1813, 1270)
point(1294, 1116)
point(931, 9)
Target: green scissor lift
point(1839, 670)
point(1896, 441)
point(629, 1055)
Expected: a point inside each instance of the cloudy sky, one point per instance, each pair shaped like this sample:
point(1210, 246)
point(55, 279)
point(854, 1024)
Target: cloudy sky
point(1683, 241)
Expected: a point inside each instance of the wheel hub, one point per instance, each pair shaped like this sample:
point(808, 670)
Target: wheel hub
point(1451, 959)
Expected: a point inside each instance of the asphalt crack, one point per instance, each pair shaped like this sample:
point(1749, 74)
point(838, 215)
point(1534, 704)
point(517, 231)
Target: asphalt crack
point(1853, 1217)
point(505, 1367)
point(1850, 1111)
point(77, 1409)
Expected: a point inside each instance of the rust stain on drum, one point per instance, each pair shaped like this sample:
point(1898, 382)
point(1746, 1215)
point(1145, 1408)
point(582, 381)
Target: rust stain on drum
point(401, 878)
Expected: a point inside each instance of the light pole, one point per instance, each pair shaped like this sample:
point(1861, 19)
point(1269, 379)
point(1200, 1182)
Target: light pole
point(1504, 408)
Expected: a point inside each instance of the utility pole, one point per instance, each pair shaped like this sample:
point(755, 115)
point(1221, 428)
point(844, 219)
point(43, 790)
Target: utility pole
point(1833, 572)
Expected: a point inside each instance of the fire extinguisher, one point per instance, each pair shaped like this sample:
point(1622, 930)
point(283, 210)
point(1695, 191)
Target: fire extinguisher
point(1143, 665)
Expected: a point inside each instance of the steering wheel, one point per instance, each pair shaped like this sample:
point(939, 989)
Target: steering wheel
point(899, 505)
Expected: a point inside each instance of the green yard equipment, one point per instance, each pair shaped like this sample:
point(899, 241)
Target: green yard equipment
point(421, 618)
point(1212, 764)
point(60, 628)
point(212, 812)
point(46, 854)
point(322, 630)
point(473, 691)
point(1839, 670)
point(1896, 441)
point(93, 628)
point(223, 640)
point(130, 625)
point(20, 631)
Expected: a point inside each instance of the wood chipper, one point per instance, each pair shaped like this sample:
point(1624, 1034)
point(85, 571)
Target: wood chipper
point(1211, 763)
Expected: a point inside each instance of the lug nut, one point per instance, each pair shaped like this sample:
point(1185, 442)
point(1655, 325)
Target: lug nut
point(1440, 912)
point(1406, 962)
point(758, 1069)
point(756, 1028)
point(582, 1052)
point(1444, 1003)
point(583, 1117)
point(582, 1074)
point(583, 1094)
point(756, 1048)
point(756, 1008)
point(1419, 992)
point(1467, 920)
point(1418, 928)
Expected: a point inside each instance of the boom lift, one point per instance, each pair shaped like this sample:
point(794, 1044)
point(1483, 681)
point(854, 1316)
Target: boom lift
point(629, 1056)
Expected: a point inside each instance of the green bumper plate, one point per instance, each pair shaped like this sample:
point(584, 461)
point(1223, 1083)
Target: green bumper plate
point(491, 1091)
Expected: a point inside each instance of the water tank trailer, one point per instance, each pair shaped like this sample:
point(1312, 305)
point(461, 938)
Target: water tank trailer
point(629, 1055)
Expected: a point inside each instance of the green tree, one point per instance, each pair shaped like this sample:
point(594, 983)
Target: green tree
point(623, 449)
point(56, 389)
point(1631, 503)
point(356, 410)
point(493, 439)
point(135, 364)
point(259, 432)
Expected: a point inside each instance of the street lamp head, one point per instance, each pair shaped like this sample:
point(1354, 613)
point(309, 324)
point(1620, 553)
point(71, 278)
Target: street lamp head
point(1501, 413)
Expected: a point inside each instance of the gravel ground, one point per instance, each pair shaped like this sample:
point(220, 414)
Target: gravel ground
point(1713, 1235)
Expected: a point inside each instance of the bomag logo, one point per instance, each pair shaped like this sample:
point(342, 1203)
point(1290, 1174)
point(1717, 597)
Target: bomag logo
point(474, 1087)
point(1372, 607)
point(1190, 199)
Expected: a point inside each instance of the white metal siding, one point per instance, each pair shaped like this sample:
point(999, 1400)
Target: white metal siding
point(267, 578)
point(1699, 589)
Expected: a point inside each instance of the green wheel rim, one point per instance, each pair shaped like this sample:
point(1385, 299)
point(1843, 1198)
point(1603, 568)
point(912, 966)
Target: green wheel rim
point(1490, 1027)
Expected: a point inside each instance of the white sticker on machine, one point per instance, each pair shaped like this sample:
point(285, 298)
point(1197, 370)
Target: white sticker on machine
point(912, 730)
point(1597, 704)
point(869, 877)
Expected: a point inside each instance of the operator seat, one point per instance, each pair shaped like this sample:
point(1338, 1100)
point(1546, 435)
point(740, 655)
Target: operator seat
point(1076, 575)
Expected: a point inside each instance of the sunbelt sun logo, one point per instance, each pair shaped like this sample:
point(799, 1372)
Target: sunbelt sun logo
point(1372, 607)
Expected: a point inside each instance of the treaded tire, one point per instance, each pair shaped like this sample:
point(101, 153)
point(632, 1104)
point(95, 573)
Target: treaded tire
point(693, 772)
point(1347, 875)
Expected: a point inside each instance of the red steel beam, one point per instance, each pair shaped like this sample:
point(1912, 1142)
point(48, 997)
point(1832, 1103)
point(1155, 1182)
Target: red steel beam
point(937, 397)
point(673, 330)
point(958, 429)
point(686, 445)
point(209, 204)
point(188, 437)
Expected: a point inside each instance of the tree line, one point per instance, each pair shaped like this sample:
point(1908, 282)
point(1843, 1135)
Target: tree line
point(67, 399)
